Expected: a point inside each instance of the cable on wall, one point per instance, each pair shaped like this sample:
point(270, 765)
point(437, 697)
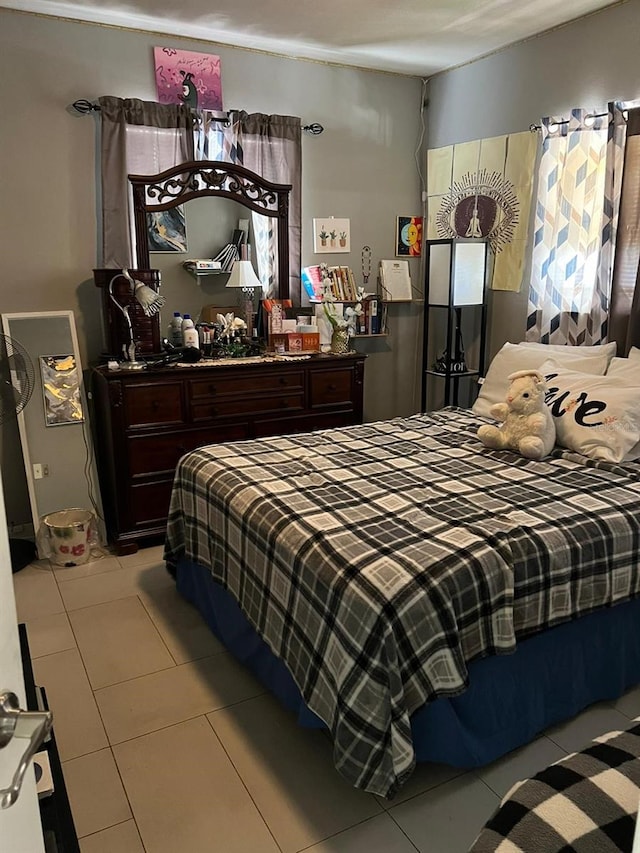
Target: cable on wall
point(85, 107)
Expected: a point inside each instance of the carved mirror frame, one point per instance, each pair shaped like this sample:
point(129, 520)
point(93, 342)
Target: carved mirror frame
point(199, 178)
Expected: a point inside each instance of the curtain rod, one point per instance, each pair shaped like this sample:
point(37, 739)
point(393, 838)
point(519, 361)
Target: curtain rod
point(85, 107)
point(535, 127)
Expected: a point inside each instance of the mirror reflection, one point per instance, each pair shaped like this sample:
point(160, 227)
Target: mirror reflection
point(209, 224)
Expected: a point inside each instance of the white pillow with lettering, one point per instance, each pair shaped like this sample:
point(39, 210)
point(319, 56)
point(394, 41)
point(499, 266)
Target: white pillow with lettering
point(514, 357)
point(598, 416)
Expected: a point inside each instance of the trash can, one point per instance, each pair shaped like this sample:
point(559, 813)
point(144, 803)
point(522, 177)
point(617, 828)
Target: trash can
point(69, 533)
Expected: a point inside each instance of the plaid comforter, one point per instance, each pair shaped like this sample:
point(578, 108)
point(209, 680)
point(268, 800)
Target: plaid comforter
point(584, 803)
point(378, 561)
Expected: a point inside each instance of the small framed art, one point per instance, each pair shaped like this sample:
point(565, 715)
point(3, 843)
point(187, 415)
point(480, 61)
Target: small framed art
point(331, 235)
point(61, 389)
point(167, 230)
point(409, 236)
point(186, 77)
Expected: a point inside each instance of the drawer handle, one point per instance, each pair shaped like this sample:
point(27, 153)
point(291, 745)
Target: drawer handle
point(332, 387)
point(155, 405)
point(283, 380)
point(284, 404)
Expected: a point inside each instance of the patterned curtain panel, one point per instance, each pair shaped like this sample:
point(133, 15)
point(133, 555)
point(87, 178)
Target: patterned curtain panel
point(576, 220)
point(624, 326)
point(271, 146)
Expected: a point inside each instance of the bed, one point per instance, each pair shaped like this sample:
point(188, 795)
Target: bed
point(423, 597)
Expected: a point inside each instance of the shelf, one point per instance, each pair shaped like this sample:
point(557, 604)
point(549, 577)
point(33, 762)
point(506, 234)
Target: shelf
point(453, 374)
point(372, 335)
point(198, 273)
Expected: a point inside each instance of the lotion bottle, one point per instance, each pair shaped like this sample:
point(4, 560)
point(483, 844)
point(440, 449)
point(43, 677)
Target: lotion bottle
point(189, 332)
point(175, 329)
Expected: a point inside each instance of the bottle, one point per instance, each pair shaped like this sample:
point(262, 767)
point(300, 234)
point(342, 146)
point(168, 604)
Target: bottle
point(189, 332)
point(175, 330)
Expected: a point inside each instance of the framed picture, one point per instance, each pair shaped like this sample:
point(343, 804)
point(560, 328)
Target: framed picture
point(331, 235)
point(61, 390)
point(167, 230)
point(186, 77)
point(409, 236)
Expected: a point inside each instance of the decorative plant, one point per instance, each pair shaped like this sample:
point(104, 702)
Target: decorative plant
point(343, 235)
point(323, 234)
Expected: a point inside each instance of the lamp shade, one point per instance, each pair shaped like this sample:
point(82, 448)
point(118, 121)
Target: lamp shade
point(243, 275)
point(457, 272)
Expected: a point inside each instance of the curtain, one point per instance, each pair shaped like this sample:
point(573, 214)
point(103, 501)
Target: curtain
point(137, 138)
point(269, 145)
point(576, 219)
point(625, 298)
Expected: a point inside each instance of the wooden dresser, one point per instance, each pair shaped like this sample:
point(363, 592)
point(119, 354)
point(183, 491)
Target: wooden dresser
point(146, 420)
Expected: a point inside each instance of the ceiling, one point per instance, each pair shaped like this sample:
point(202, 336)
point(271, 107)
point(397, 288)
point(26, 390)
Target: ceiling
point(418, 37)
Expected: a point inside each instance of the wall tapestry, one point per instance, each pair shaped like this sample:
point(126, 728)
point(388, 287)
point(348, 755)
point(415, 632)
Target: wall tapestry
point(483, 189)
point(185, 77)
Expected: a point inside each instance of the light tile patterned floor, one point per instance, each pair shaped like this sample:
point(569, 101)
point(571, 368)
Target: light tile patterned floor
point(169, 744)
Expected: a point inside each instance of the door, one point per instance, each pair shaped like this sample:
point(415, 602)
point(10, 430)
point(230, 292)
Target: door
point(20, 827)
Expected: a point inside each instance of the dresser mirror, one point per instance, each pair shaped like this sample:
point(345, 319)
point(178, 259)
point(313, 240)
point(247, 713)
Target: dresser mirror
point(218, 195)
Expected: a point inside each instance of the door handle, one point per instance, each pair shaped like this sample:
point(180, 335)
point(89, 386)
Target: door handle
point(32, 726)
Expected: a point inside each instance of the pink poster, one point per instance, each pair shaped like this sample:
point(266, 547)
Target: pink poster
point(185, 77)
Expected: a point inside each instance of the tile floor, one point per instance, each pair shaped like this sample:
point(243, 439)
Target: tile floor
point(168, 744)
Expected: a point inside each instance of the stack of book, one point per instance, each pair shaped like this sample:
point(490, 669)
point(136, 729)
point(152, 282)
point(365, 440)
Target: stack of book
point(372, 321)
point(202, 265)
point(343, 285)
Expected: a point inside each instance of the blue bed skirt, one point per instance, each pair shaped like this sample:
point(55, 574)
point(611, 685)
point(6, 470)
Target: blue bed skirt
point(510, 699)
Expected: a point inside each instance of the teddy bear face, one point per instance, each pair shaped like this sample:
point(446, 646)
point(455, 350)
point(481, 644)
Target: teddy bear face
point(525, 395)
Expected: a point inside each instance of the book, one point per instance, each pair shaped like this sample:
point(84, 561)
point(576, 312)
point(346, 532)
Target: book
point(395, 281)
point(311, 278)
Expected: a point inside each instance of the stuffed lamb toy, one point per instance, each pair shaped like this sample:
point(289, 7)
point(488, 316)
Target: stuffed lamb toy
point(527, 424)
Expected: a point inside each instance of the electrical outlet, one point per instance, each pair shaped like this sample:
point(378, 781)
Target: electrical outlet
point(37, 471)
point(45, 470)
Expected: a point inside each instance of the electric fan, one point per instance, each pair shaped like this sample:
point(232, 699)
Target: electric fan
point(17, 378)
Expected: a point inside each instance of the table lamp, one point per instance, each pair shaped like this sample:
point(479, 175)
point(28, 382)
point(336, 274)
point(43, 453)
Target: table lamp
point(243, 276)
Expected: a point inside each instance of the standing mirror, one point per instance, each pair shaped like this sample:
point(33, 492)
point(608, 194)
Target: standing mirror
point(42, 380)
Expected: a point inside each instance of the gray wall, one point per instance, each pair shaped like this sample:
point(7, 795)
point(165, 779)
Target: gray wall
point(362, 168)
point(586, 63)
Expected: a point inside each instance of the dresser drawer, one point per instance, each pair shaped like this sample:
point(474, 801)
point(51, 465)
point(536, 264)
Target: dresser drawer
point(150, 502)
point(213, 387)
point(246, 406)
point(331, 387)
point(155, 403)
point(155, 454)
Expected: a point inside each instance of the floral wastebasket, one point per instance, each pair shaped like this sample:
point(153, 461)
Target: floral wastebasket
point(69, 533)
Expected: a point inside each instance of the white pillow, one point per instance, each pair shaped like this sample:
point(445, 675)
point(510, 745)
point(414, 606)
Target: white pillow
point(598, 416)
point(608, 349)
point(634, 354)
point(627, 367)
point(514, 357)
